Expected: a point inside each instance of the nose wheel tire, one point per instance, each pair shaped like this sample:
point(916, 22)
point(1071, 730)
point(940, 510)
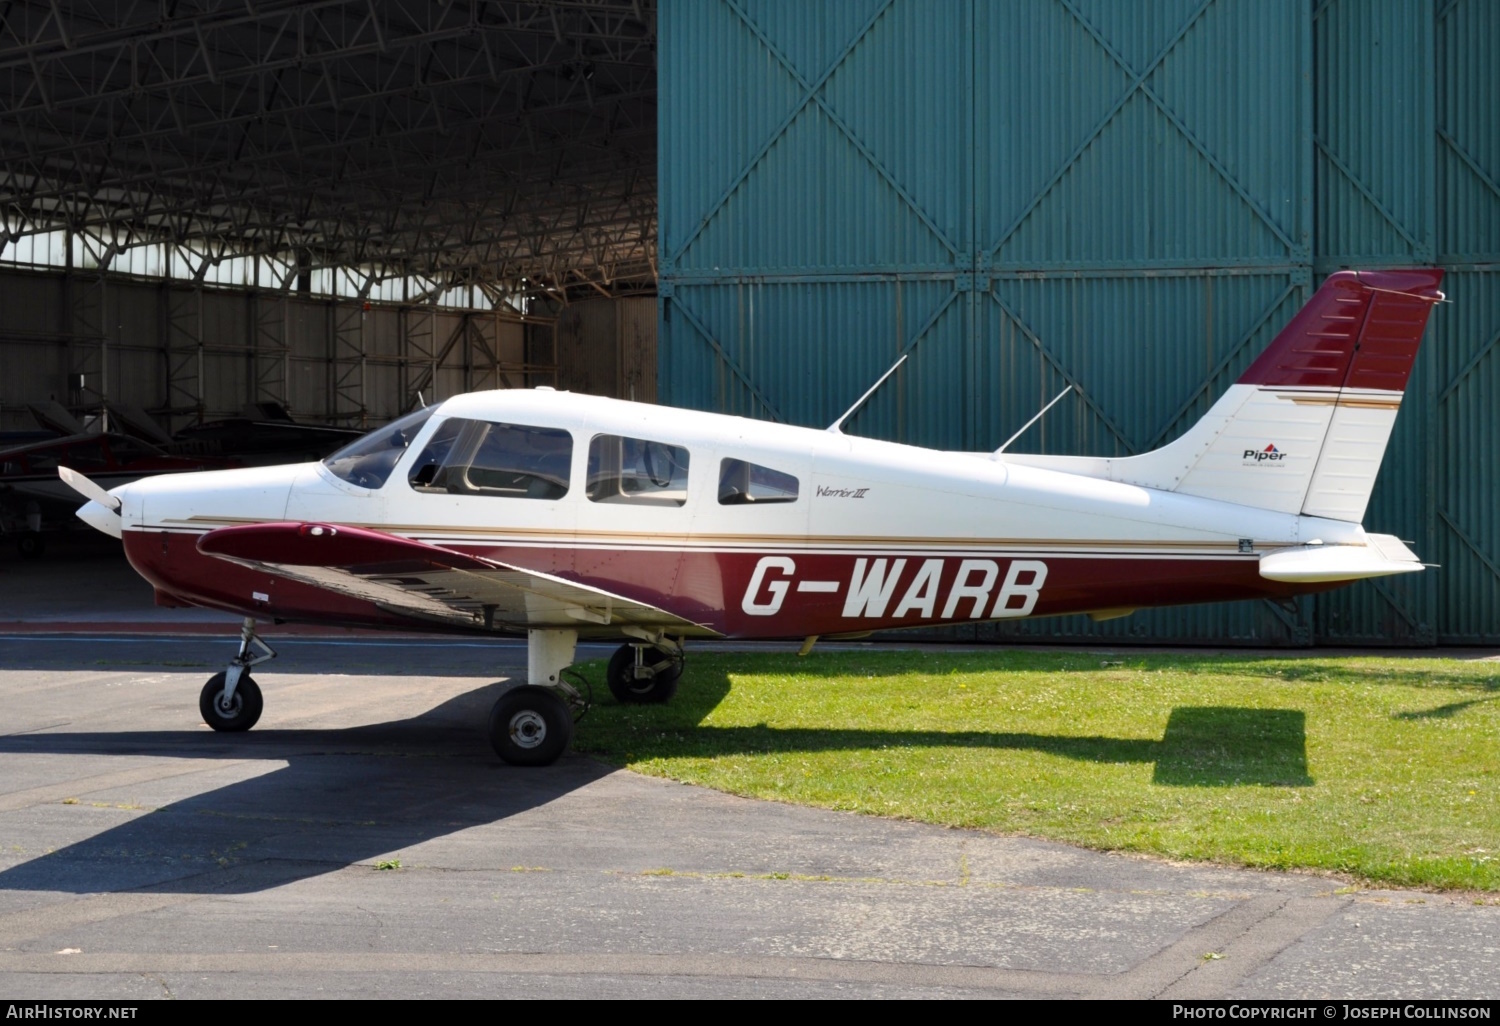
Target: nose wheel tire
point(530, 726)
point(241, 712)
point(654, 679)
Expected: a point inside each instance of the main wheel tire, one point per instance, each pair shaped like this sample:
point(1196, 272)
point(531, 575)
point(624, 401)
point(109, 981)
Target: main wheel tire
point(31, 545)
point(627, 687)
point(530, 726)
point(243, 710)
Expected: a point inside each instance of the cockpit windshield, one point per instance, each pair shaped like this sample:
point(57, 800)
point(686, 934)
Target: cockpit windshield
point(368, 461)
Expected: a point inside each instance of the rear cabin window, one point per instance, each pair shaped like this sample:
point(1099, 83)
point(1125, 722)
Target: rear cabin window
point(742, 483)
point(478, 457)
point(637, 471)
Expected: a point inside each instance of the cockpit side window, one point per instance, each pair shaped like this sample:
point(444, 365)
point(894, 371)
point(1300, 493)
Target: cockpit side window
point(369, 460)
point(478, 457)
point(637, 471)
point(742, 483)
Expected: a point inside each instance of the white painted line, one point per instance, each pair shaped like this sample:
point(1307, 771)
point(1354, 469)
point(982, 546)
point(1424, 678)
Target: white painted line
point(824, 586)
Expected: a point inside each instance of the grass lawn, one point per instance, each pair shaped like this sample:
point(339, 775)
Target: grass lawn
point(1388, 769)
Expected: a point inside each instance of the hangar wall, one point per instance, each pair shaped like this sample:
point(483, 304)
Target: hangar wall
point(187, 353)
point(1131, 199)
point(608, 347)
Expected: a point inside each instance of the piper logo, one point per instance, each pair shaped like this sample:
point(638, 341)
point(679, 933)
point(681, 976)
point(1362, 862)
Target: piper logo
point(1270, 452)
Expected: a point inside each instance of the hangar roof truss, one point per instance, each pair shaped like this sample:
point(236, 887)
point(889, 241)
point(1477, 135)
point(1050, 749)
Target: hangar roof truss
point(504, 143)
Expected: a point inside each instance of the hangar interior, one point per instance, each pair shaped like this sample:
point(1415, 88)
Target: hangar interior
point(333, 205)
point(754, 206)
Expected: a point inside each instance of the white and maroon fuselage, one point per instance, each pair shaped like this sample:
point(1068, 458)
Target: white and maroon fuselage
point(880, 536)
point(1260, 500)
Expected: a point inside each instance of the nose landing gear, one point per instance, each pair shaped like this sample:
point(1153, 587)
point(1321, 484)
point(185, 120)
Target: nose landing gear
point(531, 725)
point(231, 701)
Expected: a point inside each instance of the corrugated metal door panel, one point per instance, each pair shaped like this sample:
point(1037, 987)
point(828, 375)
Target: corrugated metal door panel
point(812, 39)
point(1373, 103)
point(721, 96)
point(1375, 144)
point(1140, 195)
point(1235, 87)
point(1468, 332)
point(912, 127)
point(1468, 148)
point(1085, 159)
point(1468, 528)
point(1137, 32)
point(1241, 623)
point(1237, 623)
point(815, 202)
point(933, 387)
point(1043, 88)
point(802, 352)
point(838, 182)
point(1106, 151)
point(1147, 355)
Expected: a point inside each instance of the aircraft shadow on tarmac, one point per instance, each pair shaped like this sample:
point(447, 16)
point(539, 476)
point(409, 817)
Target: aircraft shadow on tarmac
point(348, 795)
point(342, 797)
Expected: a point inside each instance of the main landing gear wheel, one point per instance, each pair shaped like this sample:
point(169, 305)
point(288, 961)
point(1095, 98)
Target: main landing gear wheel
point(239, 713)
point(31, 545)
point(643, 673)
point(530, 726)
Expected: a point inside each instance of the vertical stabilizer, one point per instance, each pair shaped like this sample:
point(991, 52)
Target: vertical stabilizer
point(1304, 429)
point(1342, 364)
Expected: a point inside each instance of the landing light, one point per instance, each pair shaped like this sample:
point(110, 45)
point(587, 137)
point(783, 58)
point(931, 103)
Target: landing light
point(317, 530)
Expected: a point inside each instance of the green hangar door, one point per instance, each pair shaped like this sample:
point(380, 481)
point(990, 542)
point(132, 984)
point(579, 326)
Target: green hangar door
point(1129, 199)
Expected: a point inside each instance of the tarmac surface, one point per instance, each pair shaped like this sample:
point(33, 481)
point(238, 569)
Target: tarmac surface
point(143, 856)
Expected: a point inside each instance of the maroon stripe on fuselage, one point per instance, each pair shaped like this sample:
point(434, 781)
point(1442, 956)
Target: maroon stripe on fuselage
point(760, 594)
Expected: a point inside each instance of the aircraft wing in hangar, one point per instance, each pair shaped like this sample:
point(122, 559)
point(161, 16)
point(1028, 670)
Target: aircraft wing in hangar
point(431, 583)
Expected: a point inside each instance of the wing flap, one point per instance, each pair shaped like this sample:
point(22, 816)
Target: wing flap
point(431, 583)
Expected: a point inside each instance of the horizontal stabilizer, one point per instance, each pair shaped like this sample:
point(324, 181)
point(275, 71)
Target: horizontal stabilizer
point(1309, 564)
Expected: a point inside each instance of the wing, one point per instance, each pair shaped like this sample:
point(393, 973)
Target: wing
point(431, 583)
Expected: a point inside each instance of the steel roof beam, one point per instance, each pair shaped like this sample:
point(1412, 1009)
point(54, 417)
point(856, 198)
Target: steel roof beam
point(492, 136)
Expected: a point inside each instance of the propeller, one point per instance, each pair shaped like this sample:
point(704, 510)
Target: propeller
point(88, 489)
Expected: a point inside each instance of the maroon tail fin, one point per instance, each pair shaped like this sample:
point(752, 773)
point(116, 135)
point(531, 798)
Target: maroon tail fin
point(1360, 330)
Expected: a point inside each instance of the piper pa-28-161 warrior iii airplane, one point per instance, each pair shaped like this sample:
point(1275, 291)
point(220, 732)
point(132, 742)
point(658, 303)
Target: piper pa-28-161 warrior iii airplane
point(568, 516)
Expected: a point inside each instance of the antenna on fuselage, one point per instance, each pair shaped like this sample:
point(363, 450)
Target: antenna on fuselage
point(1032, 421)
point(420, 400)
point(837, 426)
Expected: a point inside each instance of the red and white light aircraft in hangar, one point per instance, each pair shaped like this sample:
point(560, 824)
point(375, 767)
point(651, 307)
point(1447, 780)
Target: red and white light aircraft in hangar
point(568, 516)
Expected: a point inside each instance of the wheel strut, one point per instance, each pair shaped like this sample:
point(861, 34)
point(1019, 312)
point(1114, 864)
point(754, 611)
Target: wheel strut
point(245, 659)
